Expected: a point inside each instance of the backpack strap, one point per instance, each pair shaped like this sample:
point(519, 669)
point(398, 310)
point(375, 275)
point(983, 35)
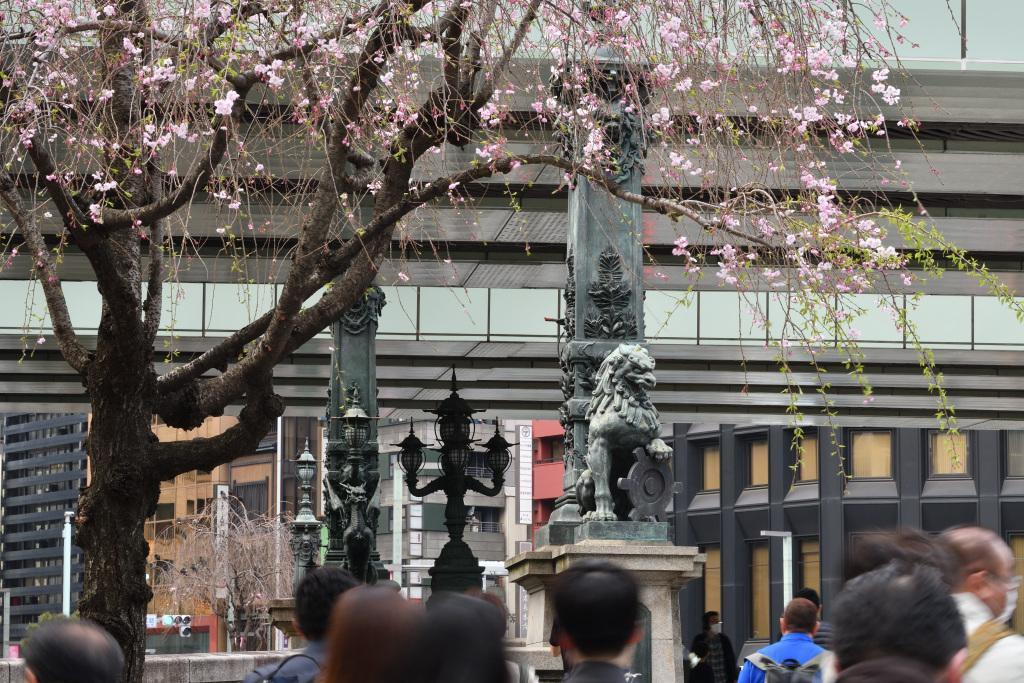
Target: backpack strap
point(982, 640)
point(814, 663)
point(270, 677)
point(761, 661)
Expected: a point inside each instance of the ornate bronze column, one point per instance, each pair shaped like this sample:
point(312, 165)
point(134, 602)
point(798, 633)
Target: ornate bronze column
point(351, 492)
point(604, 291)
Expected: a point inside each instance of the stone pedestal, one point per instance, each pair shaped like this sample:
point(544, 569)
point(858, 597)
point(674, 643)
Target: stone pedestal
point(659, 567)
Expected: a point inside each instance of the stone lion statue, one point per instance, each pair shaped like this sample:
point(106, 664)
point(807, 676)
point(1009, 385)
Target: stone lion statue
point(622, 420)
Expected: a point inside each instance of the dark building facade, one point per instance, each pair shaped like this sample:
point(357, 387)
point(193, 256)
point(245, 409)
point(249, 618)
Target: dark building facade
point(44, 466)
point(737, 481)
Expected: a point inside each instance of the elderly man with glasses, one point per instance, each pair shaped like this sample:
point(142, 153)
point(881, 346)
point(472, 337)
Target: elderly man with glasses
point(986, 595)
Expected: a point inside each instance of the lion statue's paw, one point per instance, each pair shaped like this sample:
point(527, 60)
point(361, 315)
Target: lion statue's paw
point(659, 450)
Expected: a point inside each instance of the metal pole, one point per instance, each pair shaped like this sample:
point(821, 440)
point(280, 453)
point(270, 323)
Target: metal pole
point(396, 519)
point(787, 562)
point(787, 568)
point(66, 579)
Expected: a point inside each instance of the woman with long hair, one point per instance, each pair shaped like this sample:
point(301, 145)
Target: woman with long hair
point(371, 629)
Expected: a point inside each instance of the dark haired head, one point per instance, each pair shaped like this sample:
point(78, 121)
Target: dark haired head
point(908, 546)
point(706, 619)
point(809, 594)
point(899, 610)
point(597, 605)
point(460, 641)
point(64, 650)
point(887, 670)
point(801, 616)
point(316, 595)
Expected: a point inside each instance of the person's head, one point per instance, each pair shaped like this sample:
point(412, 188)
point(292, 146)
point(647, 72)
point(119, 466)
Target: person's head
point(899, 610)
point(985, 567)
point(800, 616)
point(369, 633)
point(72, 651)
point(315, 597)
point(712, 622)
point(809, 594)
point(459, 641)
point(887, 670)
point(910, 546)
point(597, 604)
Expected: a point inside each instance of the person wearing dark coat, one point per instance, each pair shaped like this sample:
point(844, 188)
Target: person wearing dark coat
point(823, 636)
point(721, 657)
point(314, 598)
point(701, 671)
point(597, 605)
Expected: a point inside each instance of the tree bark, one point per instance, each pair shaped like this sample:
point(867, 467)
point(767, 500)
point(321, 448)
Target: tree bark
point(122, 490)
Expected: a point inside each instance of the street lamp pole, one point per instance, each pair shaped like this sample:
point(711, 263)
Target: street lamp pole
point(456, 569)
point(787, 562)
point(305, 541)
point(66, 577)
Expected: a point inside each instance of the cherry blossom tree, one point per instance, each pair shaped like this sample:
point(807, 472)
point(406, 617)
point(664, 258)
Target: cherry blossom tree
point(230, 563)
point(121, 119)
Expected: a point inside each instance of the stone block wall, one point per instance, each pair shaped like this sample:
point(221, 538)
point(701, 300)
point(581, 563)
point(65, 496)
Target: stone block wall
point(198, 668)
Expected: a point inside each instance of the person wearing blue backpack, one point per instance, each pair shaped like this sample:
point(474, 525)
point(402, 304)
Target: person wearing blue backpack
point(315, 596)
point(795, 658)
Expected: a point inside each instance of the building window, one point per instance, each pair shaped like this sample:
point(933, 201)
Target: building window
point(1015, 453)
point(810, 564)
point(1017, 545)
point(871, 455)
point(807, 459)
point(711, 461)
point(760, 591)
point(947, 454)
point(713, 580)
point(758, 451)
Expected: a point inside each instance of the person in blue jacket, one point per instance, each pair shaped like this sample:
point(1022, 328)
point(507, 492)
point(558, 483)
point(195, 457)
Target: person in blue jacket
point(799, 623)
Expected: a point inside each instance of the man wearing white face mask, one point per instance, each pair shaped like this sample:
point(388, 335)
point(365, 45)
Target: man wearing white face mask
point(986, 595)
point(721, 656)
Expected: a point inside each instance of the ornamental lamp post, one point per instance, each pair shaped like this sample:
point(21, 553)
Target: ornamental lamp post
point(456, 568)
point(305, 528)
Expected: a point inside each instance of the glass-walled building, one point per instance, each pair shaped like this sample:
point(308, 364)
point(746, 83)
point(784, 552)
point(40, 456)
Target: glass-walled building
point(738, 481)
point(43, 471)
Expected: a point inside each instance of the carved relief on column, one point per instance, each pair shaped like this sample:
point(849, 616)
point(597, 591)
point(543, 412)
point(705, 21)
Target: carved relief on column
point(610, 313)
point(364, 311)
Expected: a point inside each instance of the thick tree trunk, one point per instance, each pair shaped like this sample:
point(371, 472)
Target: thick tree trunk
point(121, 494)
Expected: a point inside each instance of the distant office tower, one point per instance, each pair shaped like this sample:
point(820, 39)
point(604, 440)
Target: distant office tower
point(43, 468)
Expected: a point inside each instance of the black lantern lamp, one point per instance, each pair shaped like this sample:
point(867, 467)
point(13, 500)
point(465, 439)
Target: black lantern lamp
point(454, 428)
point(356, 426)
point(410, 459)
point(498, 456)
